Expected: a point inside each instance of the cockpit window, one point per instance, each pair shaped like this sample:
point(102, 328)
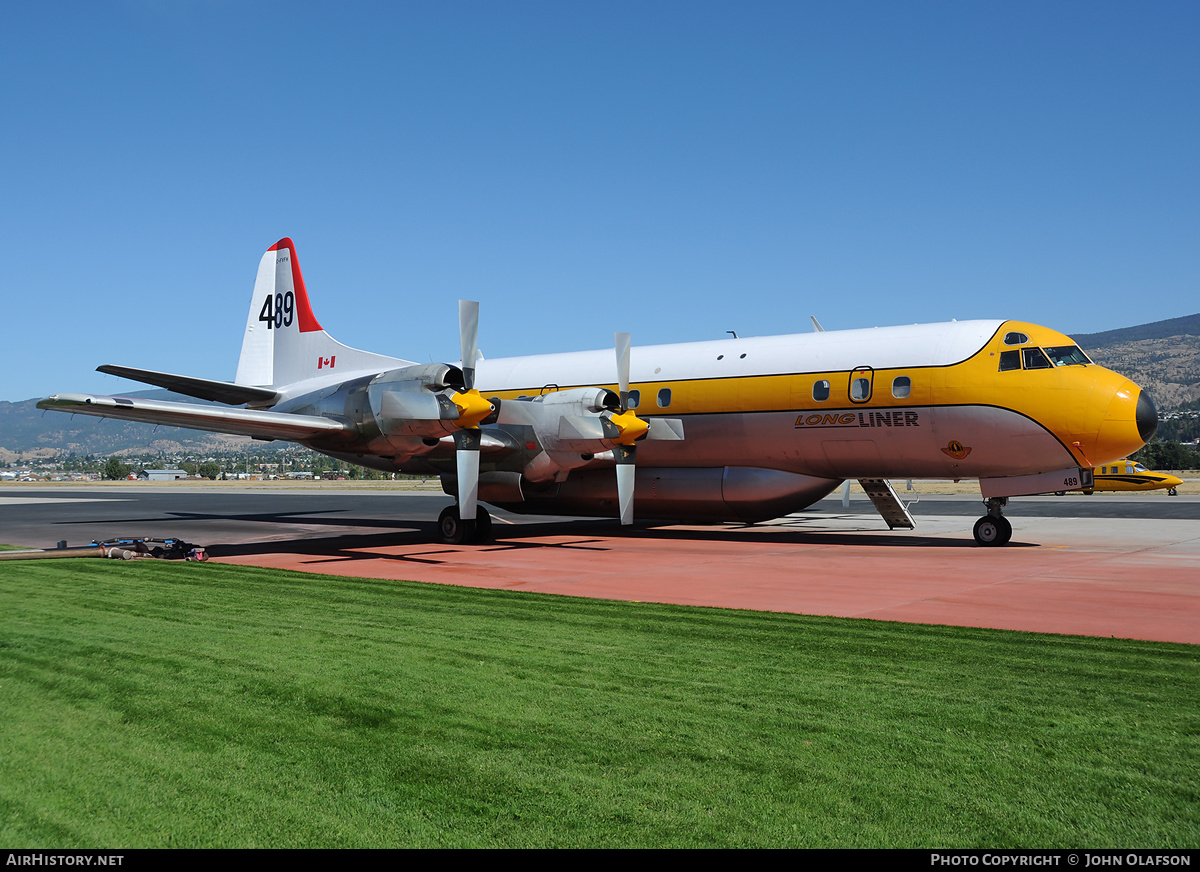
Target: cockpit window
point(1034, 359)
point(1015, 338)
point(1068, 355)
point(1010, 360)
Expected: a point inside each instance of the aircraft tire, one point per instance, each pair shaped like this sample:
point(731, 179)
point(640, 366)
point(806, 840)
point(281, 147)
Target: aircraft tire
point(483, 526)
point(992, 531)
point(452, 529)
point(1005, 530)
point(1173, 492)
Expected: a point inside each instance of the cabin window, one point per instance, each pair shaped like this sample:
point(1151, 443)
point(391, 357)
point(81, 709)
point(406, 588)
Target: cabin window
point(821, 390)
point(664, 398)
point(860, 384)
point(1015, 338)
point(901, 387)
point(1010, 360)
point(635, 397)
point(1068, 355)
point(1034, 359)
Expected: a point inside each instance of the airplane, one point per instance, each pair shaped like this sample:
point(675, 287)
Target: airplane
point(1129, 475)
point(742, 429)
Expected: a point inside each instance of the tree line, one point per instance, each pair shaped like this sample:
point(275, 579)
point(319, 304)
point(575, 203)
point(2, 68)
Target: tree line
point(1168, 455)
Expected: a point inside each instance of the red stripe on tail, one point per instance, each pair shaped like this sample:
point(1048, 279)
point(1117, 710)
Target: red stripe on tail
point(306, 320)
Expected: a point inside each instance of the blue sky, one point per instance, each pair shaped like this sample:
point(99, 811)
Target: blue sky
point(671, 169)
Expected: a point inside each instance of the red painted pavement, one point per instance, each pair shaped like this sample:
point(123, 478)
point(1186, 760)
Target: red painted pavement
point(1060, 576)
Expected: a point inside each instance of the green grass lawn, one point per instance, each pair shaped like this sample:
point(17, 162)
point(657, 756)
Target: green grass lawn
point(170, 704)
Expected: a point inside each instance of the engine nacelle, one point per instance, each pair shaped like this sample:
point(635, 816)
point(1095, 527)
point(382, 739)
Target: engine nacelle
point(431, 376)
point(580, 401)
point(567, 421)
point(414, 413)
point(412, 401)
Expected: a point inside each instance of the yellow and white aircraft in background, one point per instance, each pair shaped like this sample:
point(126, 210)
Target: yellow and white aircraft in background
point(1129, 475)
point(736, 429)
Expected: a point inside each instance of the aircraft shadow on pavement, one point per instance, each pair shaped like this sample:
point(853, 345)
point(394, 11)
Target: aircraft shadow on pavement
point(294, 518)
point(586, 535)
point(604, 533)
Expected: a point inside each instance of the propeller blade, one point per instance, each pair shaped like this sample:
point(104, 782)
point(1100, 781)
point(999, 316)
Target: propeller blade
point(468, 334)
point(622, 344)
point(467, 458)
point(625, 479)
point(625, 454)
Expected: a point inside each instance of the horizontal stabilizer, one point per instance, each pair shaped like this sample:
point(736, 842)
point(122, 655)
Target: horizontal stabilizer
point(201, 388)
point(244, 422)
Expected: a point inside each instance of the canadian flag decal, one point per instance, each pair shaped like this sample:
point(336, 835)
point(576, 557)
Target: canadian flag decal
point(323, 362)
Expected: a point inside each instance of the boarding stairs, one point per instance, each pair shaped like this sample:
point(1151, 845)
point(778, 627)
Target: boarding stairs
point(887, 503)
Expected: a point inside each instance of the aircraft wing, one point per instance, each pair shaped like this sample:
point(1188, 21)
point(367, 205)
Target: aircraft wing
point(202, 388)
point(243, 422)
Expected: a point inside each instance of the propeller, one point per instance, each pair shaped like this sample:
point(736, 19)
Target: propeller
point(472, 408)
point(630, 428)
point(468, 338)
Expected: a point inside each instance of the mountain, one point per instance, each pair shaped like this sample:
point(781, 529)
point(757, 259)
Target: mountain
point(1188, 325)
point(1163, 357)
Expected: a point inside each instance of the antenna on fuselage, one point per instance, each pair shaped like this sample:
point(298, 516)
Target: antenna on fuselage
point(816, 324)
point(733, 333)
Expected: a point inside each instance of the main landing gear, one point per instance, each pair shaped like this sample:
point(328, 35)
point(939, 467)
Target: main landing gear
point(993, 528)
point(453, 530)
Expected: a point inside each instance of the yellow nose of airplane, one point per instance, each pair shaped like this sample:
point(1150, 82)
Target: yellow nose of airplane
point(1129, 422)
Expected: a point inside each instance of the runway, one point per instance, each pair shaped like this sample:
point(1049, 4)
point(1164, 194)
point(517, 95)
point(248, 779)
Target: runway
point(1120, 565)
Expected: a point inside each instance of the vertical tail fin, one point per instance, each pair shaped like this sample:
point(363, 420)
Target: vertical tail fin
point(283, 342)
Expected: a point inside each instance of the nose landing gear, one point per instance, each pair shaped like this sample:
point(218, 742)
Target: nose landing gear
point(993, 528)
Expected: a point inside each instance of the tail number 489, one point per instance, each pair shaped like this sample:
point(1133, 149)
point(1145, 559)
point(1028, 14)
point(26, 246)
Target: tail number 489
point(277, 311)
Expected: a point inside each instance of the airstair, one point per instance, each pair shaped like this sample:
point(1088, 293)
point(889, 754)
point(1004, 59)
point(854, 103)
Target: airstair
point(887, 503)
